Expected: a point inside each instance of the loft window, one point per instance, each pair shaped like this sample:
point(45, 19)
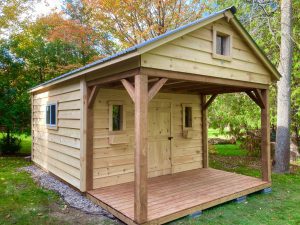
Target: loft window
point(51, 115)
point(222, 43)
point(116, 116)
point(188, 122)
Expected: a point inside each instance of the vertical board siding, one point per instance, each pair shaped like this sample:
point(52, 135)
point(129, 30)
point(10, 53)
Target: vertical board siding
point(192, 53)
point(113, 163)
point(58, 150)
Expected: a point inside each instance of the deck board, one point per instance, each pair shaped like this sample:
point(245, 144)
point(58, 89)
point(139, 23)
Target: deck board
point(171, 196)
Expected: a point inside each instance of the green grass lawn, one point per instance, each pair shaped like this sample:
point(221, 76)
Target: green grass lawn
point(230, 150)
point(22, 201)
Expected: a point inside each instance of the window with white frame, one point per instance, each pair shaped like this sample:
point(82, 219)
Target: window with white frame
point(51, 114)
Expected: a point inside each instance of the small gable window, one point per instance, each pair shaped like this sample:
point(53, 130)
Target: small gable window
point(51, 115)
point(222, 43)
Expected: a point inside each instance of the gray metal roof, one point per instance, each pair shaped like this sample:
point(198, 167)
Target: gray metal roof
point(136, 47)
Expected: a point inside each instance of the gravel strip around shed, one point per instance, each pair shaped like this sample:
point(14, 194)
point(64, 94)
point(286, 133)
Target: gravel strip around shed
point(72, 197)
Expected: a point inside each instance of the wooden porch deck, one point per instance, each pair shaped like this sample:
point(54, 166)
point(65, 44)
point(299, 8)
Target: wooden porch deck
point(174, 196)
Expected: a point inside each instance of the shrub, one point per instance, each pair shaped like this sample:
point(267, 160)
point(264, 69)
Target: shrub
point(9, 144)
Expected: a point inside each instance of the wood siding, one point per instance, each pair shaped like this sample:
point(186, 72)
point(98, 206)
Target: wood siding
point(58, 150)
point(113, 163)
point(192, 53)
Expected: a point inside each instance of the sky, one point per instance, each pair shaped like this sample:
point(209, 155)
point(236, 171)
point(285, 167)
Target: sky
point(45, 7)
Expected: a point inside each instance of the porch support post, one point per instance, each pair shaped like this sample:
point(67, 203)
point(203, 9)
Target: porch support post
point(141, 149)
point(265, 137)
point(89, 137)
point(204, 132)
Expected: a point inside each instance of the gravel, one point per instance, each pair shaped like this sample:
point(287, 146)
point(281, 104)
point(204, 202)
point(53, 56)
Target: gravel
point(72, 197)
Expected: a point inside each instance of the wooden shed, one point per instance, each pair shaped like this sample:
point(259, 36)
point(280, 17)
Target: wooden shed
point(130, 130)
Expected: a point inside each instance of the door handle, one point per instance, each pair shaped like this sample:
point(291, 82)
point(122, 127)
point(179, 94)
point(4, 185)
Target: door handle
point(170, 138)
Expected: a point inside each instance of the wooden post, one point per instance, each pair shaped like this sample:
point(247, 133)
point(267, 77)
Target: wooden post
point(89, 141)
point(265, 137)
point(83, 136)
point(204, 132)
point(141, 149)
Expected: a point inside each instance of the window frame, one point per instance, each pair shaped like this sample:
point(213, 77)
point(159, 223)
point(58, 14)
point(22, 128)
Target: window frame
point(222, 31)
point(52, 126)
point(183, 116)
point(123, 117)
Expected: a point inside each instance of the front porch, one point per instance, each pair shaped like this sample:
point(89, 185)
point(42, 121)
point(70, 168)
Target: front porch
point(173, 196)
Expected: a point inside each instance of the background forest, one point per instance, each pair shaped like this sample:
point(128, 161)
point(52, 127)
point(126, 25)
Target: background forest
point(34, 50)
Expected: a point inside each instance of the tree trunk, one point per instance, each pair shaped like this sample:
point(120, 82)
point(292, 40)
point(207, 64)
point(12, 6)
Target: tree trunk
point(282, 152)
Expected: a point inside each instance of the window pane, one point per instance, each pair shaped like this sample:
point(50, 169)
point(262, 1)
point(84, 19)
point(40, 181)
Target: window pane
point(219, 45)
point(53, 115)
point(47, 114)
point(117, 117)
point(188, 117)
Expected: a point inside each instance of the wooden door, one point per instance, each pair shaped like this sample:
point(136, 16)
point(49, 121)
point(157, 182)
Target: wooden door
point(159, 131)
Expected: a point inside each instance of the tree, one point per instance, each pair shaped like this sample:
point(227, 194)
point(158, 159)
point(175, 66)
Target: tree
point(132, 21)
point(14, 107)
point(282, 152)
point(12, 14)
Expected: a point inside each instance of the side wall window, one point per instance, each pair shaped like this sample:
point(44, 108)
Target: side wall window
point(116, 116)
point(187, 116)
point(51, 115)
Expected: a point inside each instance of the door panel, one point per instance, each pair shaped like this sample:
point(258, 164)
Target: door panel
point(159, 130)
